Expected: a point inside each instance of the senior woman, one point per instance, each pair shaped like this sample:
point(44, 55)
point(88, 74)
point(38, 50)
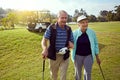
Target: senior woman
point(85, 49)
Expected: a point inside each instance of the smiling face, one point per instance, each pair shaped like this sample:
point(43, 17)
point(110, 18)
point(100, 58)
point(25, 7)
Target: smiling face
point(62, 18)
point(83, 24)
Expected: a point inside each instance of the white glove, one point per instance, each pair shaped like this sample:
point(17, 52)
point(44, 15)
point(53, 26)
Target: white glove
point(63, 50)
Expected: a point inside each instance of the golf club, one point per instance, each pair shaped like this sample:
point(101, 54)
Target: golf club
point(101, 72)
point(43, 69)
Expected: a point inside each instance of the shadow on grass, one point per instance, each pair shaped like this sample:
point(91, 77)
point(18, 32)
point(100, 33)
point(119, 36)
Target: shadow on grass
point(37, 33)
point(101, 46)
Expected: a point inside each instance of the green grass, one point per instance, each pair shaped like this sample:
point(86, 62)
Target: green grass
point(20, 53)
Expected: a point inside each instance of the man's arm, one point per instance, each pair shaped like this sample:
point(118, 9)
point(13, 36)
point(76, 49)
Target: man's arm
point(71, 42)
point(71, 45)
point(44, 47)
point(44, 42)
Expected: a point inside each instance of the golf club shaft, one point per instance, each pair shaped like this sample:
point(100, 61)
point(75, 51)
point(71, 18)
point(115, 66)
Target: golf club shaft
point(43, 65)
point(43, 76)
point(101, 72)
point(43, 69)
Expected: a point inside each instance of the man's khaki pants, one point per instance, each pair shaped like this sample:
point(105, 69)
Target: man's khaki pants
point(59, 64)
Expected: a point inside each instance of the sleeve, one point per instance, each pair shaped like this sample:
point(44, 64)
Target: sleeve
point(96, 44)
point(47, 33)
point(71, 37)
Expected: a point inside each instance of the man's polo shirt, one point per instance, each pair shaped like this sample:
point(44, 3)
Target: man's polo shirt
point(61, 36)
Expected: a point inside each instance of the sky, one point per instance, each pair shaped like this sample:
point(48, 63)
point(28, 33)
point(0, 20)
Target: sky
point(90, 6)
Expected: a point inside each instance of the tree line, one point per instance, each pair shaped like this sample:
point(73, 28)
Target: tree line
point(104, 15)
point(9, 17)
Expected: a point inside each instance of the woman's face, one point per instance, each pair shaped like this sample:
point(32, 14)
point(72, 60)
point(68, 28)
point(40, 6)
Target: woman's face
point(83, 24)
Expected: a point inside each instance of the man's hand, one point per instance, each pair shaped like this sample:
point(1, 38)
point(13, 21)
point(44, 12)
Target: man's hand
point(44, 54)
point(44, 47)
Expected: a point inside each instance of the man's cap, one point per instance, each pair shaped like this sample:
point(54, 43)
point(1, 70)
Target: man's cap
point(82, 17)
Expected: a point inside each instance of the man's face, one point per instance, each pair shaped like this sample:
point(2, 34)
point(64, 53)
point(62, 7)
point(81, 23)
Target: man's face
point(62, 19)
point(83, 24)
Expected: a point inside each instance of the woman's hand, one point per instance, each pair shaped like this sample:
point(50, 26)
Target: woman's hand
point(98, 60)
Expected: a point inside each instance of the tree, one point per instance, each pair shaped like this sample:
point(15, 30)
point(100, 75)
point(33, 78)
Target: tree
point(53, 18)
point(110, 16)
point(103, 13)
point(9, 20)
point(12, 19)
point(117, 10)
point(82, 12)
point(103, 16)
point(69, 18)
point(78, 13)
point(44, 16)
point(25, 16)
point(4, 22)
point(101, 19)
point(2, 13)
point(92, 18)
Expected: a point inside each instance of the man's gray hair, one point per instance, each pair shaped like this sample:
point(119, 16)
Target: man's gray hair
point(61, 11)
